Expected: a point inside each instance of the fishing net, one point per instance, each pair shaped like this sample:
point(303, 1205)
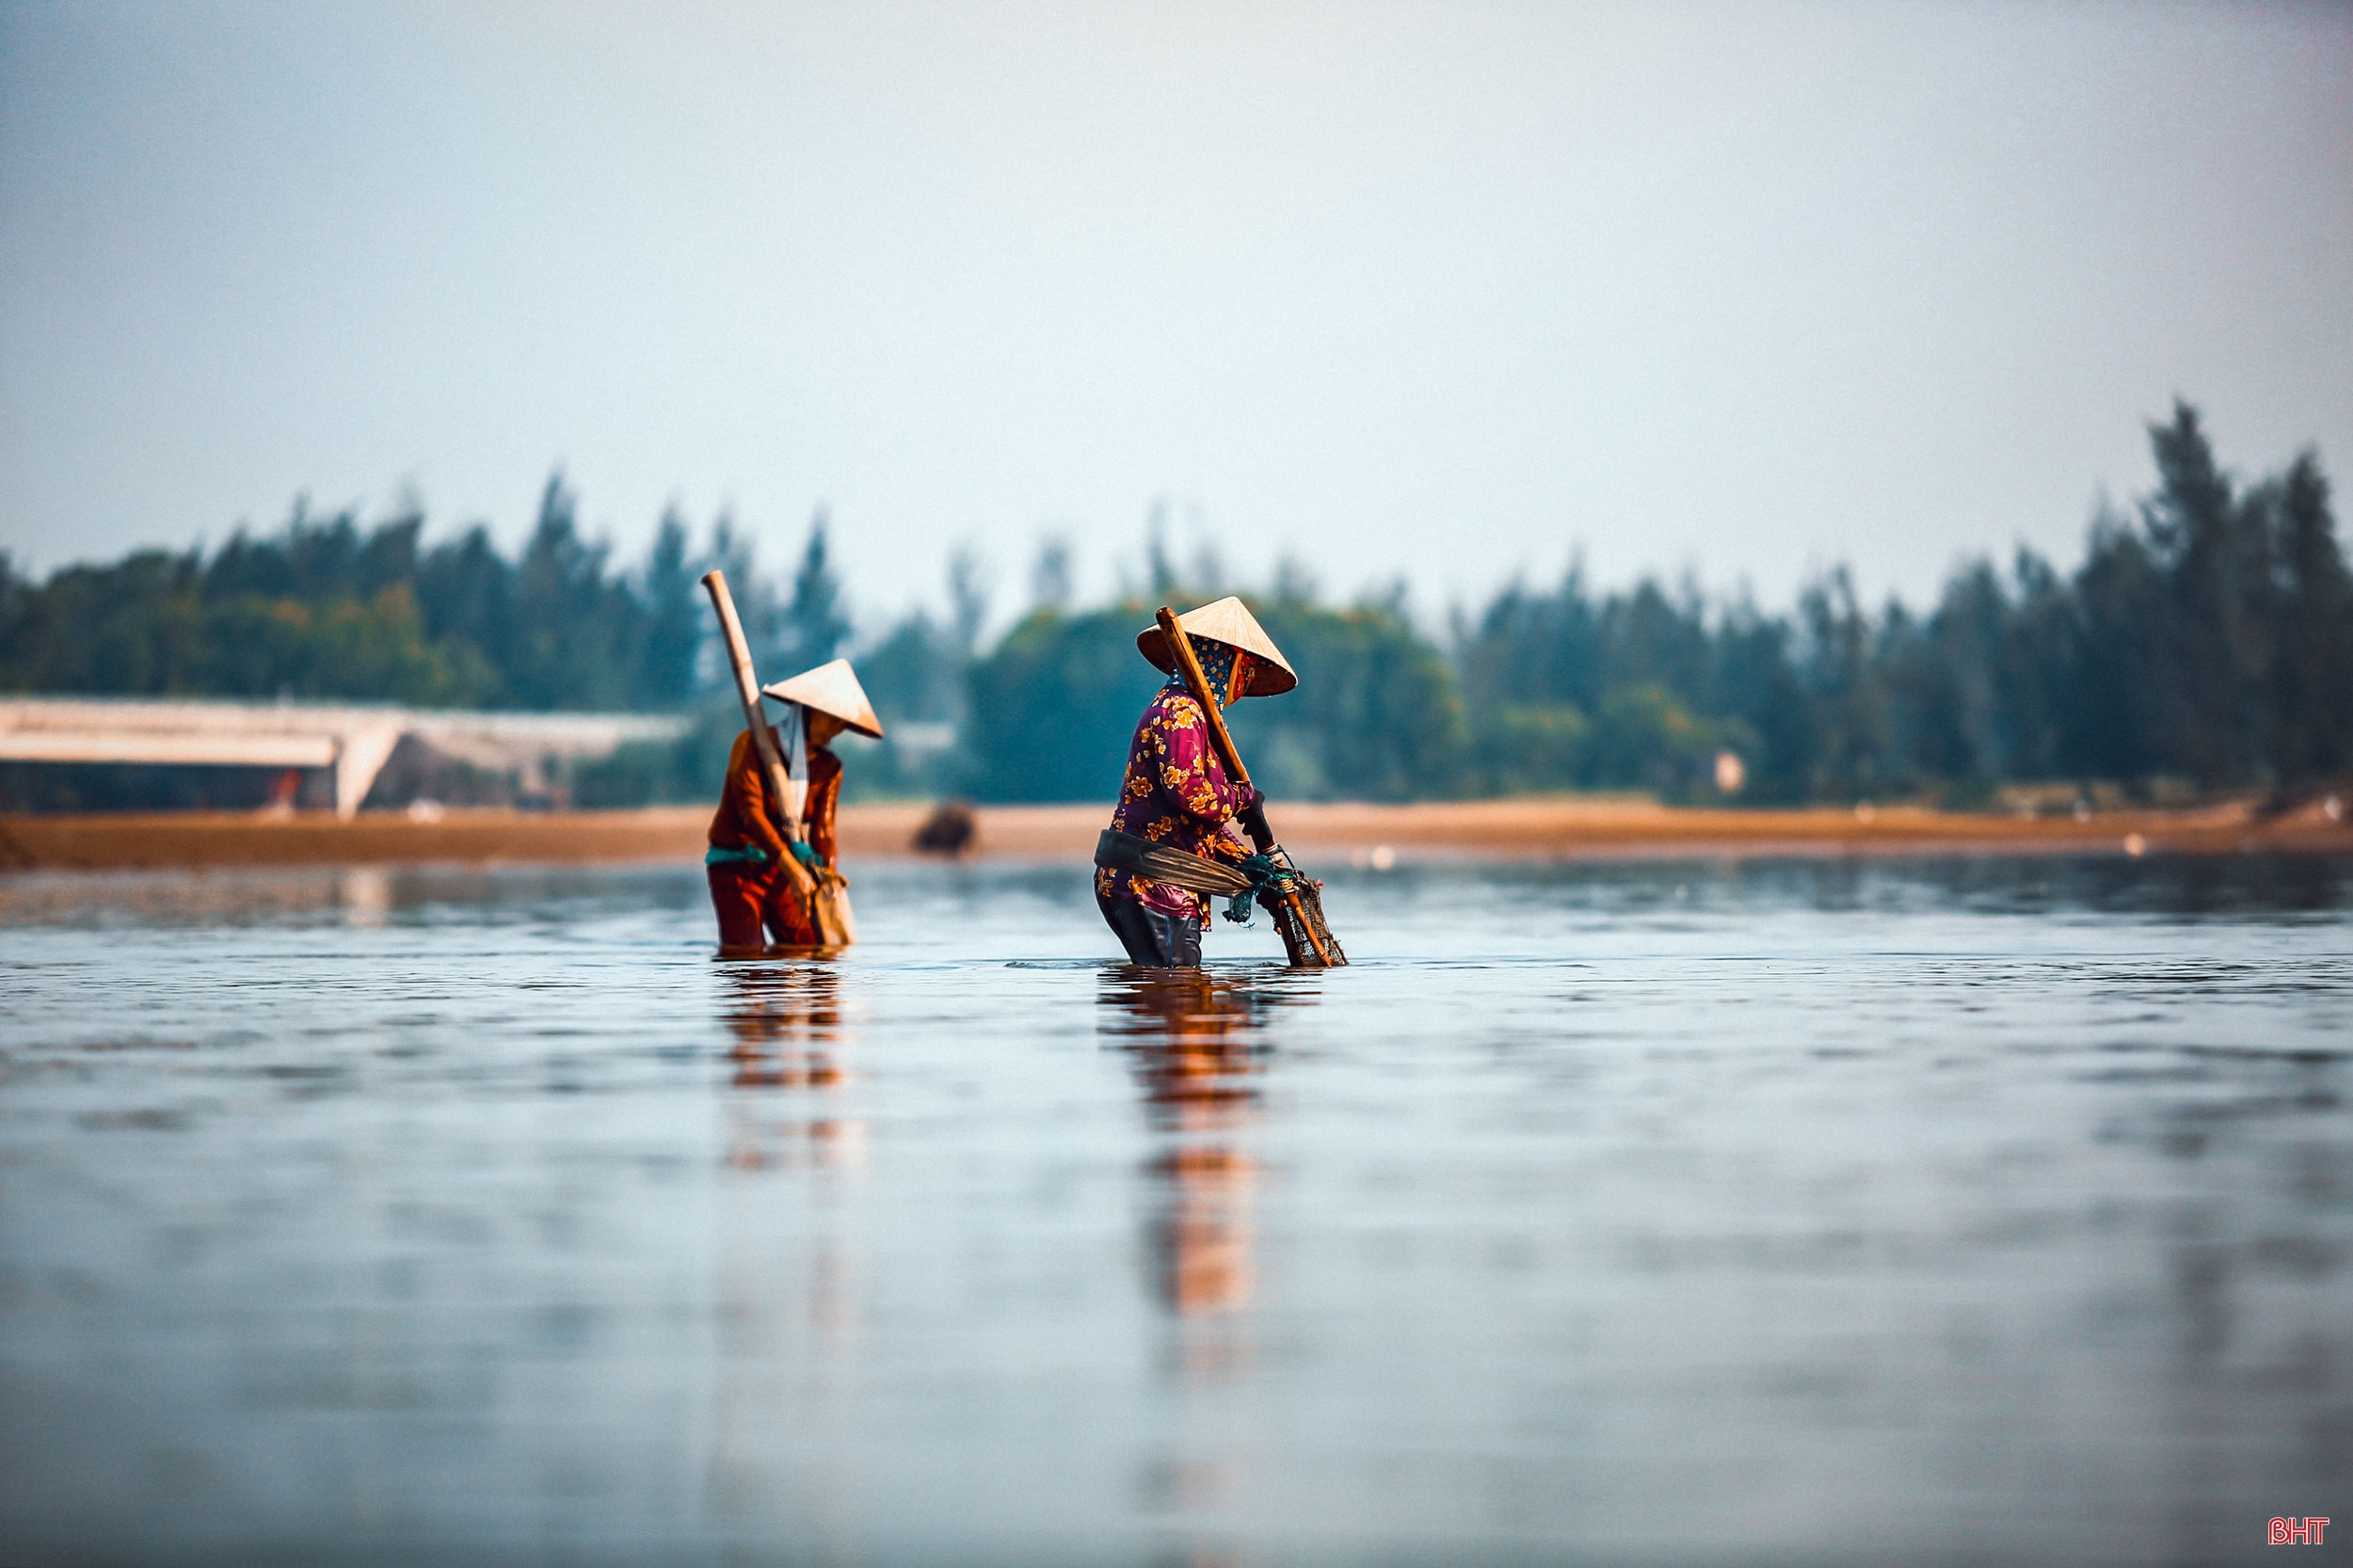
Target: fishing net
point(1295, 900)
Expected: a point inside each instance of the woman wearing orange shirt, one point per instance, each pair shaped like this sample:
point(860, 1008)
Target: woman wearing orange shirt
point(749, 890)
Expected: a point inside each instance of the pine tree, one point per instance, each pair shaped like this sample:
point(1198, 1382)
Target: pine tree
point(2311, 682)
point(674, 619)
point(2214, 555)
point(968, 599)
point(573, 626)
point(466, 593)
point(1845, 684)
point(816, 621)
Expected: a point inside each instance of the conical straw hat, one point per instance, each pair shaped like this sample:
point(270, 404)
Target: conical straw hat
point(830, 689)
point(1229, 621)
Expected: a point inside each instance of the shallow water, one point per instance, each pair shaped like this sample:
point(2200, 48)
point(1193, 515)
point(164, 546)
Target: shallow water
point(1803, 1211)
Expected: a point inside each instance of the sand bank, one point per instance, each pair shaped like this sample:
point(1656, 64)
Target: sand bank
point(1527, 828)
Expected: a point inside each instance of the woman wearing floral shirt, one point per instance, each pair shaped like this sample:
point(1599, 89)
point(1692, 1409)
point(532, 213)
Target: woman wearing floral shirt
point(1177, 793)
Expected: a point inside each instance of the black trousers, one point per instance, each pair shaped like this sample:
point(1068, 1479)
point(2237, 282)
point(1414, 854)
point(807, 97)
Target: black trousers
point(1154, 940)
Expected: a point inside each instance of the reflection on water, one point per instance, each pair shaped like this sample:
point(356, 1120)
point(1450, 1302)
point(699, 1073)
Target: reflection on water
point(1956, 1212)
point(1196, 1041)
point(787, 1024)
point(1189, 1039)
point(791, 1272)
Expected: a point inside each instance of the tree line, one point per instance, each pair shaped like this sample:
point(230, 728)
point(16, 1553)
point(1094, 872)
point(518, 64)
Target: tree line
point(326, 610)
point(2204, 643)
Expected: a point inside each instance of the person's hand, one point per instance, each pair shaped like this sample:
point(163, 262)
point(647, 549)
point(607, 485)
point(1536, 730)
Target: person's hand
point(1252, 819)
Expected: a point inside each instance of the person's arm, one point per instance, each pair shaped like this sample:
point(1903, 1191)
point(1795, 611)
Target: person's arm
point(748, 793)
point(1226, 845)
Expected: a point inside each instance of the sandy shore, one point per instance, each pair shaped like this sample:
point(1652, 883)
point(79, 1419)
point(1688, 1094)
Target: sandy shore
point(1527, 828)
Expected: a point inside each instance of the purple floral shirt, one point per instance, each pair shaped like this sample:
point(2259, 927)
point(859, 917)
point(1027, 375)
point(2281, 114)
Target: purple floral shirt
point(1176, 793)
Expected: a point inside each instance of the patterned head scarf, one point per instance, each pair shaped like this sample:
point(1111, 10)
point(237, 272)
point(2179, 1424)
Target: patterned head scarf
point(1217, 664)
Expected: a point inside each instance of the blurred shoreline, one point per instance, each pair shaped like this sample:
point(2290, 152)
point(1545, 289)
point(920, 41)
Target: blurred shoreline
point(1324, 835)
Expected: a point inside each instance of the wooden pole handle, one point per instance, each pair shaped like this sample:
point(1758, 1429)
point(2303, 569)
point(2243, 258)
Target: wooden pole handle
point(763, 740)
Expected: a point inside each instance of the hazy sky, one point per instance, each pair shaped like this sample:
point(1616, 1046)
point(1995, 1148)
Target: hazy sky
point(1443, 290)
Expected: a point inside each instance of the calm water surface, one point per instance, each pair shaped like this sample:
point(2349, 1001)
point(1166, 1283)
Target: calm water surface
point(1792, 1212)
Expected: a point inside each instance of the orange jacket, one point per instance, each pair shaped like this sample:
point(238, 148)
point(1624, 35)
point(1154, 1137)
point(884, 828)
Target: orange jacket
point(743, 821)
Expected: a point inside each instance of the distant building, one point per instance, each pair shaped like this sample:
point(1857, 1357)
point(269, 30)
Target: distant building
point(354, 742)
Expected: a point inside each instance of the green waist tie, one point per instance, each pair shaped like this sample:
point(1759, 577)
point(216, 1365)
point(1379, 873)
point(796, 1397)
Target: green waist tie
point(750, 855)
